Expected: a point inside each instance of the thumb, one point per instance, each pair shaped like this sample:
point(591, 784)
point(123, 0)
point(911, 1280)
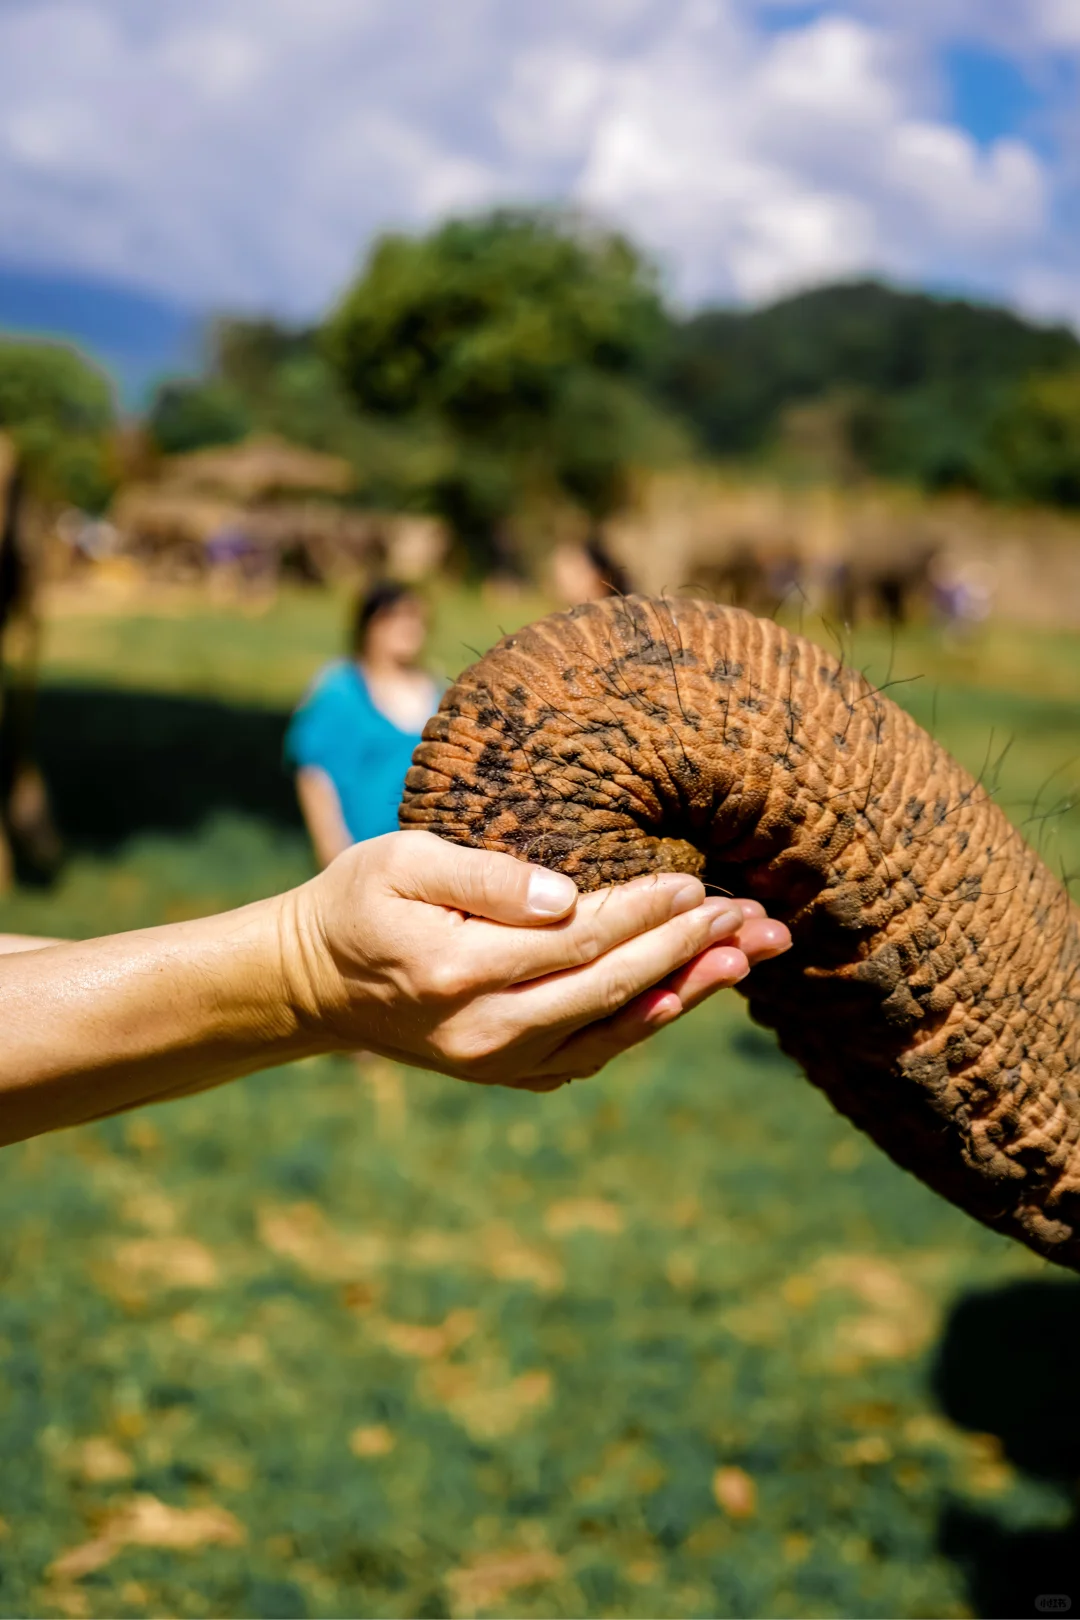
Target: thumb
point(482, 882)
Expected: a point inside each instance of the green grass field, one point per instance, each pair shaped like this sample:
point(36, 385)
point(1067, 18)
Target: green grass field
point(338, 1342)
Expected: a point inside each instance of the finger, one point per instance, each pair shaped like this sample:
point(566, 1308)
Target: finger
point(564, 1002)
point(725, 965)
point(593, 1048)
point(762, 938)
point(587, 1052)
point(501, 957)
point(718, 968)
point(482, 882)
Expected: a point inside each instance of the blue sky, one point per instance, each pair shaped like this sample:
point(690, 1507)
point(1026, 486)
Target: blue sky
point(990, 95)
point(243, 153)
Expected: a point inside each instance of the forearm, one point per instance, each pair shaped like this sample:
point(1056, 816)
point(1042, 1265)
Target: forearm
point(96, 1027)
point(11, 943)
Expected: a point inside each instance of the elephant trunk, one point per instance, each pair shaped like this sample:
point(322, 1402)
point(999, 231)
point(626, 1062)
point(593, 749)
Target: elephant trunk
point(933, 987)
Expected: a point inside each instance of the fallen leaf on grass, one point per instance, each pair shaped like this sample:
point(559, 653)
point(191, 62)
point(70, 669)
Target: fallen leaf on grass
point(900, 1321)
point(584, 1215)
point(876, 1282)
point(496, 1249)
point(491, 1576)
point(168, 1262)
point(371, 1440)
point(145, 1521)
point(99, 1460)
point(508, 1258)
point(735, 1492)
point(301, 1233)
point(643, 1571)
point(68, 1600)
point(867, 1449)
point(150, 1207)
point(762, 1321)
point(423, 1342)
point(481, 1397)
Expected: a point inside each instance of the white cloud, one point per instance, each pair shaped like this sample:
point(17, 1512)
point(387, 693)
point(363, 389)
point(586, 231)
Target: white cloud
point(770, 162)
point(1058, 21)
point(219, 63)
point(244, 151)
point(832, 73)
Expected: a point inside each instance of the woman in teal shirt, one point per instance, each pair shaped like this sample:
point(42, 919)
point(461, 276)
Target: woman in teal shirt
point(351, 740)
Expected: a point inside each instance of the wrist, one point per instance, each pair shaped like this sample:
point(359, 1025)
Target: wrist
point(305, 970)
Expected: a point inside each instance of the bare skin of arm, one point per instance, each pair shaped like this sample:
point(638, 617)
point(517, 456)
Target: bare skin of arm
point(467, 962)
point(11, 943)
point(321, 810)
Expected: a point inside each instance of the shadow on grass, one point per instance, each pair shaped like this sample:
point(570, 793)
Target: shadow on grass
point(1007, 1366)
point(119, 763)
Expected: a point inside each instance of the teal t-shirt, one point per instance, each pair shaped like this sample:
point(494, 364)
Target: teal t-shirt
point(338, 728)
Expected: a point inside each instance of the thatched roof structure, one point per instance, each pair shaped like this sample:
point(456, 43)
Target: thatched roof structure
point(259, 469)
point(274, 498)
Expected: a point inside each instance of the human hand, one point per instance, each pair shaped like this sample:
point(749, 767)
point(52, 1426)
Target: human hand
point(490, 969)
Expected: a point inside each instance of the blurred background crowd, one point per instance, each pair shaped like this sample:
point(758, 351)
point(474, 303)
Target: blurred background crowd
point(334, 342)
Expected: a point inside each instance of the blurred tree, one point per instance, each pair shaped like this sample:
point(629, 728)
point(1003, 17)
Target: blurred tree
point(248, 354)
point(518, 337)
point(1033, 450)
point(192, 413)
point(263, 376)
point(60, 411)
point(903, 384)
point(303, 399)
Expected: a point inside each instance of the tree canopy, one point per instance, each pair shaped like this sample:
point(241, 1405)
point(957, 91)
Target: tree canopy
point(521, 338)
point(60, 411)
point(900, 384)
point(1033, 449)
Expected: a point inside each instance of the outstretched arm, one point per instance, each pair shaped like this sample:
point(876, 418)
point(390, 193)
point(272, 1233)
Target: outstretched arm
point(470, 963)
point(321, 809)
point(12, 943)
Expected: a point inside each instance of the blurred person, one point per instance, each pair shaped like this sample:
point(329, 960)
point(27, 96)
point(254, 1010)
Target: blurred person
point(86, 540)
point(588, 572)
point(781, 578)
point(465, 961)
point(241, 564)
point(351, 740)
point(962, 595)
point(27, 829)
point(743, 576)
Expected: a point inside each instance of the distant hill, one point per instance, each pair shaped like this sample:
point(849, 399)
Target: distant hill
point(135, 335)
point(943, 361)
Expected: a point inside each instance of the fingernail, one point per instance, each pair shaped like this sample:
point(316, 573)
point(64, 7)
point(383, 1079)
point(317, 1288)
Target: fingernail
point(686, 897)
point(725, 922)
point(551, 894)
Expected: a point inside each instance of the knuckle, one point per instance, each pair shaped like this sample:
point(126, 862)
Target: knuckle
point(586, 941)
point(619, 988)
point(477, 880)
point(586, 1068)
point(455, 1050)
point(447, 980)
point(472, 1048)
point(398, 856)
